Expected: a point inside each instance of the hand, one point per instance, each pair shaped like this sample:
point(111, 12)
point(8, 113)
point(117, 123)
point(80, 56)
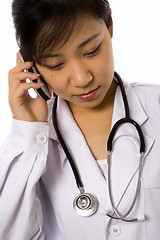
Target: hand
point(23, 106)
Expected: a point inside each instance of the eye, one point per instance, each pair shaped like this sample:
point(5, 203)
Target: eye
point(94, 52)
point(55, 67)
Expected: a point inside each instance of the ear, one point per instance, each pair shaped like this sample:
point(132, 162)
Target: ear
point(110, 28)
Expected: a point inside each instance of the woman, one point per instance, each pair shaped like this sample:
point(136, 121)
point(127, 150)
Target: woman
point(55, 182)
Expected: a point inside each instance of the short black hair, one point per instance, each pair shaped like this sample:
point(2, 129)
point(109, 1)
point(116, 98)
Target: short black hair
point(43, 24)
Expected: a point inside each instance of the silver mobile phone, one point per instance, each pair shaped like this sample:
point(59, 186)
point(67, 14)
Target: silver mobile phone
point(43, 91)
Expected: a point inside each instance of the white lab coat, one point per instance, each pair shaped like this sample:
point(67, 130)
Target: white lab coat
point(37, 185)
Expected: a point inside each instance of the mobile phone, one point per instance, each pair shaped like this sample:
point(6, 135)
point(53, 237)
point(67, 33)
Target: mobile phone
point(43, 91)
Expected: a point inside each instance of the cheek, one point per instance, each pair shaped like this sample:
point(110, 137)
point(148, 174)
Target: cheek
point(104, 70)
point(108, 65)
point(105, 63)
point(57, 84)
point(53, 79)
point(108, 55)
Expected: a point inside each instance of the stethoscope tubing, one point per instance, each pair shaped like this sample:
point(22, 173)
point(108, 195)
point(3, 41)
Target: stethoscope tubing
point(90, 197)
point(63, 144)
point(115, 128)
point(114, 208)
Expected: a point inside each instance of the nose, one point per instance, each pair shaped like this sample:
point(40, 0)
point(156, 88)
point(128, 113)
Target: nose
point(81, 76)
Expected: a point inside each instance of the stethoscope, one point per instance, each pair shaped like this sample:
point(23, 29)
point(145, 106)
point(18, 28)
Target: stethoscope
point(86, 204)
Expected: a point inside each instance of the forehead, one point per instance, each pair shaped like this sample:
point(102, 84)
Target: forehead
point(85, 26)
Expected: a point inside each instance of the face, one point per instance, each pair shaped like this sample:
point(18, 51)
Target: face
point(81, 71)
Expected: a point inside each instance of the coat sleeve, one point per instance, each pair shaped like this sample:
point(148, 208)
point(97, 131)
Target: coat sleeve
point(22, 162)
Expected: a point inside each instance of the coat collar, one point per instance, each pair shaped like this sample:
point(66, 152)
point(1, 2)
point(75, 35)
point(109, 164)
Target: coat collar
point(136, 109)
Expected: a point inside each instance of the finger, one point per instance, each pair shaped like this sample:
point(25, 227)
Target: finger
point(22, 89)
point(15, 80)
point(18, 59)
point(18, 77)
point(24, 66)
point(22, 76)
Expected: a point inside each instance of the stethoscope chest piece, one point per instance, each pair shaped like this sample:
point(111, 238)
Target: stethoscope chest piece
point(85, 204)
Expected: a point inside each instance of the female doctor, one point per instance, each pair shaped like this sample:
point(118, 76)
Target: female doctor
point(86, 163)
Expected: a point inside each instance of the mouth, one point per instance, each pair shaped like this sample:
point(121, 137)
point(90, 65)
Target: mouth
point(89, 95)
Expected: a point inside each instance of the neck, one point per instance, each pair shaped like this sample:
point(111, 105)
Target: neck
point(95, 123)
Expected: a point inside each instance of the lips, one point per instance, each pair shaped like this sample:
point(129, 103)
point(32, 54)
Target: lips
point(89, 95)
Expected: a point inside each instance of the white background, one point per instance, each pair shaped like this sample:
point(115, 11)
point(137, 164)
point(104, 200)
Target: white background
point(136, 45)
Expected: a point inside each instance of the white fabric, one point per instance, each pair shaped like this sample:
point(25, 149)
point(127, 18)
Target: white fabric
point(37, 186)
point(103, 167)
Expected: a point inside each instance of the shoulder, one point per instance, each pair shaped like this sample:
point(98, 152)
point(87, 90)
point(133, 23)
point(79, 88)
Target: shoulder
point(146, 92)
point(146, 96)
point(146, 87)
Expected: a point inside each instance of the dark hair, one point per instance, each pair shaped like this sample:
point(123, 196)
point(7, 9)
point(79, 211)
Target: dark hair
point(42, 24)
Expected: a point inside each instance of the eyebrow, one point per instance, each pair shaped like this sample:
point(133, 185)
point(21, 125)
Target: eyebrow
point(81, 45)
point(88, 40)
